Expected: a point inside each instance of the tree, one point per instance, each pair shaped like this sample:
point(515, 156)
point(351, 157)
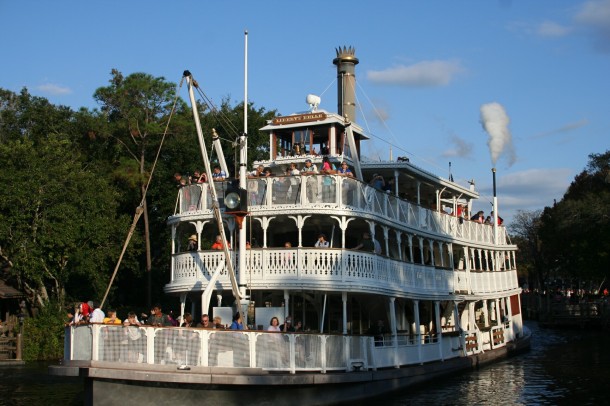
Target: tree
point(137, 107)
point(576, 230)
point(532, 261)
point(57, 219)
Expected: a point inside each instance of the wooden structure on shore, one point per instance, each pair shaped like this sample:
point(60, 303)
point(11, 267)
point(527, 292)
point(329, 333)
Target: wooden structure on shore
point(551, 312)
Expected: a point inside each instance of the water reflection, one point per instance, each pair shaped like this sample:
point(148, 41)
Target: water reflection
point(31, 385)
point(563, 367)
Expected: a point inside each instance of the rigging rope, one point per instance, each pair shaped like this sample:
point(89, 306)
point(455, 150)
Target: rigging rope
point(140, 208)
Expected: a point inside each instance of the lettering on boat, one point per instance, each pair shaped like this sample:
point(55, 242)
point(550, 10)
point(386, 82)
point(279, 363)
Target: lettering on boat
point(301, 118)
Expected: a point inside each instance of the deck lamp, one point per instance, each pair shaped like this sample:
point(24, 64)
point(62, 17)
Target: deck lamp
point(236, 202)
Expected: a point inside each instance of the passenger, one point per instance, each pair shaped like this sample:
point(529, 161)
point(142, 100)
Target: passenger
point(390, 186)
point(298, 326)
point(322, 243)
point(312, 183)
point(199, 177)
point(248, 246)
point(237, 323)
point(218, 175)
point(158, 319)
point(258, 172)
point(287, 327)
point(293, 169)
point(274, 324)
point(205, 322)
point(131, 320)
point(327, 167)
point(173, 319)
point(192, 245)
point(366, 244)
point(97, 316)
point(177, 179)
point(500, 219)
point(479, 217)
point(111, 318)
point(218, 243)
point(187, 321)
point(377, 182)
point(218, 323)
point(135, 342)
point(345, 170)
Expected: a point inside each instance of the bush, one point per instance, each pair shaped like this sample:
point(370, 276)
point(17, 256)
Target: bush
point(43, 335)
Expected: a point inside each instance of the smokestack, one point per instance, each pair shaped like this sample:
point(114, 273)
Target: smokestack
point(495, 207)
point(346, 62)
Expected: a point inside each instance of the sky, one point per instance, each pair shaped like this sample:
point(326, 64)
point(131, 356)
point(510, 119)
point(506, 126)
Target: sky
point(437, 80)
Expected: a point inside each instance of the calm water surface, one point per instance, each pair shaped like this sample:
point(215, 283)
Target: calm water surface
point(562, 368)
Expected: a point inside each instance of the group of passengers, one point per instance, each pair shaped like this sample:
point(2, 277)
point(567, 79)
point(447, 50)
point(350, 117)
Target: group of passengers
point(90, 312)
point(218, 175)
point(480, 218)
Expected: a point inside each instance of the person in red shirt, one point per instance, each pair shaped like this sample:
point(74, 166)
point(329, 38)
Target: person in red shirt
point(218, 243)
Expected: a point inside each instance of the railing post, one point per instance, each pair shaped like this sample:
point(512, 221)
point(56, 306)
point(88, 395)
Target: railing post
point(292, 340)
point(150, 345)
point(323, 354)
point(95, 342)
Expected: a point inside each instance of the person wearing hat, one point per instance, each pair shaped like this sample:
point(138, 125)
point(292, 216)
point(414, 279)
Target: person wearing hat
point(287, 327)
point(192, 243)
point(322, 243)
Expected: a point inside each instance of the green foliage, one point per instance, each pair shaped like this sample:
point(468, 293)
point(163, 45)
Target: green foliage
point(70, 182)
point(57, 219)
point(43, 335)
point(572, 239)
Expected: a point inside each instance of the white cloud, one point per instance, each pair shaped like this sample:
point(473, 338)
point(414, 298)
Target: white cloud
point(52, 89)
point(421, 74)
point(594, 16)
point(552, 29)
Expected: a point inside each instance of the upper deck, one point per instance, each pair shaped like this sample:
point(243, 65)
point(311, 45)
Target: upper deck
point(338, 195)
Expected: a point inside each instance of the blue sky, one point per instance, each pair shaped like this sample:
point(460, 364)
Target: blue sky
point(426, 67)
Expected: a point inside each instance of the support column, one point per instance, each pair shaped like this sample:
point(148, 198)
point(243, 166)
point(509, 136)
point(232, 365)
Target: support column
point(393, 329)
point(399, 243)
point(286, 303)
point(410, 237)
point(439, 328)
point(386, 234)
point(485, 313)
point(440, 250)
point(344, 300)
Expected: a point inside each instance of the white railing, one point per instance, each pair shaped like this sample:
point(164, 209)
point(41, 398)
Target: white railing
point(339, 192)
point(343, 268)
point(290, 352)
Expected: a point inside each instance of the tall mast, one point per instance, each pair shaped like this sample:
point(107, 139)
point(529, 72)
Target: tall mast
point(243, 162)
point(208, 170)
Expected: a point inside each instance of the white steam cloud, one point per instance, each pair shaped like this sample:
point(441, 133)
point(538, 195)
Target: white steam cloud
point(495, 121)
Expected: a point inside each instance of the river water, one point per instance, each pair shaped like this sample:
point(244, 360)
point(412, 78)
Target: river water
point(563, 367)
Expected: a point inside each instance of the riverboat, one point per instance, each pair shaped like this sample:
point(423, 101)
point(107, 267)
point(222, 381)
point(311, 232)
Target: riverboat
point(430, 293)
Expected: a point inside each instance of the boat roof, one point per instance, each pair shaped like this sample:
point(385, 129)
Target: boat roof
point(309, 118)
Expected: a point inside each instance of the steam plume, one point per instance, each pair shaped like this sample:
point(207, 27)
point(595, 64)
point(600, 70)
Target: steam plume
point(495, 121)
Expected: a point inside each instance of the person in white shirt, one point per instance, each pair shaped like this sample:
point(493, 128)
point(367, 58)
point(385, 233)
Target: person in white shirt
point(322, 243)
point(98, 315)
